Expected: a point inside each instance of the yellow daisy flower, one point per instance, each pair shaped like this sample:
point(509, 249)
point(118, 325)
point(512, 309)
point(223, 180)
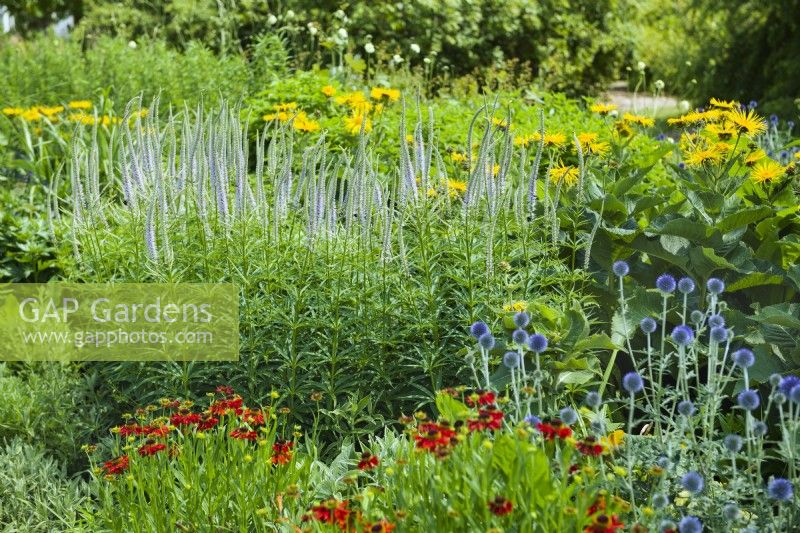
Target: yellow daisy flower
point(638, 119)
point(722, 104)
point(79, 104)
point(754, 157)
point(329, 90)
point(379, 93)
point(602, 109)
point(566, 173)
point(287, 106)
point(457, 157)
point(353, 123)
point(747, 121)
point(767, 170)
point(699, 157)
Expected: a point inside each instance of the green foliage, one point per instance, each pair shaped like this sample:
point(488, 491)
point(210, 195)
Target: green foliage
point(28, 250)
point(35, 493)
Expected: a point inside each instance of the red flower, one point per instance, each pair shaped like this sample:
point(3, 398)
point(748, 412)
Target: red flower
point(500, 506)
point(185, 418)
point(368, 461)
point(254, 417)
point(116, 466)
point(603, 523)
point(433, 436)
point(223, 407)
point(555, 429)
point(331, 512)
point(207, 422)
point(383, 526)
point(281, 452)
point(481, 398)
point(151, 448)
point(225, 390)
point(589, 446)
point(491, 419)
point(135, 429)
point(243, 434)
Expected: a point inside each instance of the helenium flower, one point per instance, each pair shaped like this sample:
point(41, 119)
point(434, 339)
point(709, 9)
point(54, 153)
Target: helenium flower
point(665, 283)
point(620, 268)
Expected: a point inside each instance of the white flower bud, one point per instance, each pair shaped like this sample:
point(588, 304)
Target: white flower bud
point(342, 33)
point(131, 44)
point(369, 48)
point(659, 85)
point(272, 20)
point(415, 48)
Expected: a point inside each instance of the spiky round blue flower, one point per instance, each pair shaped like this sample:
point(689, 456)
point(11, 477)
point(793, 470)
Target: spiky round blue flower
point(715, 286)
point(787, 383)
point(660, 500)
point(665, 283)
point(730, 511)
point(620, 268)
point(719, 334)
point(521, 319)
point(663, 462)
point(511, 360)
point(681, 165)
point(732, 443)
point(794, 394)
point(598, 426)
point(696, 316)
point(685, 408)
point(690, 524)
point(478, 329)
point(779, 398)
point(568, 415)
point(716, 321)
point(774, 118)
point(780, 489)
point(759, 428)
point(648, 325)
point(686, 285)
point(748, 399)
point(682, 335)
point(775, 379)
point(752, 105)
point(693, 482)
point(593, 400)
point(744, 358)
point(532, 420)
point(520, 336)
point(486, 341)
point(537, 342)
point(790, 125)
point(632, 382)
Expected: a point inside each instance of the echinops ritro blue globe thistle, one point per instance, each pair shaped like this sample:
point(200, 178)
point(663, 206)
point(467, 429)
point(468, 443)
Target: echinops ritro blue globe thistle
point(648, 325)
point(632, 382)
point(686, 285)
point(665, 283)
point(521, 319)
point(620, 268)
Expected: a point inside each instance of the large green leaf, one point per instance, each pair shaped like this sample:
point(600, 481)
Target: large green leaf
point(743, 217)
point(754, 279)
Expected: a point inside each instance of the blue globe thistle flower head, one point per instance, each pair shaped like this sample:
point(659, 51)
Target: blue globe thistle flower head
point(661, 137)
point(715, 286)
point(719, 334)
point(532, 420)
point(790, 125)
point(486, 341)
point(759, 428)
point(752, 105)
point(632, 382)
point(660, 500)
point(511, 360)
point(690, 524)
point(696, 316)
point(730, 511)
point(779, 398)
point(648, 325)
point(732, 443)
point(775, 380)
point(620, 268)
point(520, 336)
point(598, 426)
point(568, 415)
point(478, 329)
point(716, 321)
point(693, 482)
point(744, 358)
point(593, 400)
point(682, 335)
point(537, 342)
point(665, 283)
point(686, 285)
point(788, 383)
point(794, 394)
point(521, 319)
point(774, 118)
point(663, 462)
point(685, 408)
point(748, 400)
point(780, 489)
point(681, 165)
